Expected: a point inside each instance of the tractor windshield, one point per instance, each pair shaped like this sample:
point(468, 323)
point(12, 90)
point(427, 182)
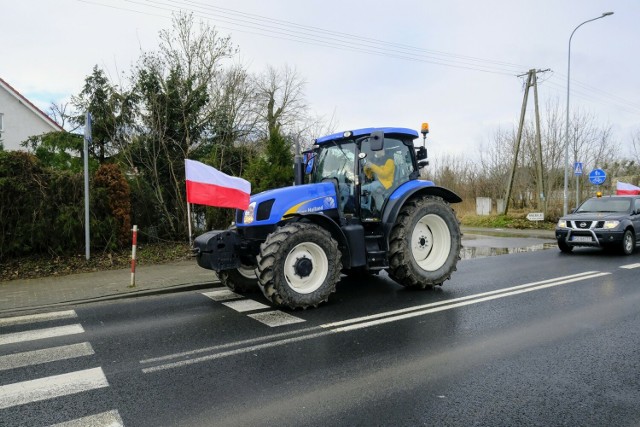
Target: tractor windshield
point(336, 163)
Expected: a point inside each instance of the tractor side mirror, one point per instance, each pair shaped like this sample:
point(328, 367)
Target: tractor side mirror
point(421, 154)
point(376, 140)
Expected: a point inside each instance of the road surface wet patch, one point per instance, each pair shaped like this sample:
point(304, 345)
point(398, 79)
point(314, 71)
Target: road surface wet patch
point(482, 246)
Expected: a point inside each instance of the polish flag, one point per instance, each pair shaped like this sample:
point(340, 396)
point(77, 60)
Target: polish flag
point(208, 186)
point(623, 188)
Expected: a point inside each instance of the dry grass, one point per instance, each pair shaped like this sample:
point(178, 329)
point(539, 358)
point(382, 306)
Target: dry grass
point(42, 265)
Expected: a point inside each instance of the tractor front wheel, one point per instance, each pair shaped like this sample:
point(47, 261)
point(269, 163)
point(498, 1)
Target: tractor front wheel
point(425, 243)
point(241, 280)
point(299, 265)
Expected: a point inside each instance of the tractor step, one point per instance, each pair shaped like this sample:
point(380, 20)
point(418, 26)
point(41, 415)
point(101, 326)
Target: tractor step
point(377, 259)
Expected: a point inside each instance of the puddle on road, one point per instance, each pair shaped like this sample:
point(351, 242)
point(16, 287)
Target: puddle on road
point(472, 252)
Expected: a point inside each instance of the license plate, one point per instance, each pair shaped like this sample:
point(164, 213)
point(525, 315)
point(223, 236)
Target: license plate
point(581, 239)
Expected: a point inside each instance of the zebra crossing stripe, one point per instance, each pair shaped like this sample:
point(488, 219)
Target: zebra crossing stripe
point(46, 355)
point(39, 334)
point(221, 295)
point(275, 318)
point(50, 387)
point(42, 317)
point(245, 305)
point(105, 419)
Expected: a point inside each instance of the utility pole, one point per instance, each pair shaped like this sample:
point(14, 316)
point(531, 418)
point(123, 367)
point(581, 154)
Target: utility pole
point(542, 200)
point(518, 138)
point(532, 80)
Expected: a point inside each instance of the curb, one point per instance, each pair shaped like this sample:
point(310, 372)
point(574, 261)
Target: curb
point(112, 297)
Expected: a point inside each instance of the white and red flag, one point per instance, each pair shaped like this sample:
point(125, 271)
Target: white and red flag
point(208, 186)
point(623, 188)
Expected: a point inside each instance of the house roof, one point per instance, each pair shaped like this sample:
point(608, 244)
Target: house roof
point(30, 105)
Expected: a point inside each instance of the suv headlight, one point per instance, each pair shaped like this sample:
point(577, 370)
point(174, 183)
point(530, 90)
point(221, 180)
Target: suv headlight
point(562, 223)
point(611, 224)
point(248, 214)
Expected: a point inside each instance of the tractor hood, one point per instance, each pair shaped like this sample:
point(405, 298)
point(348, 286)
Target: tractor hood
point(270, 207)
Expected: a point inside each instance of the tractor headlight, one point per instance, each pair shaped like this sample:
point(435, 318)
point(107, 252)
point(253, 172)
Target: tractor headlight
point(562, 223)
point(248, 214)
point(611, 224)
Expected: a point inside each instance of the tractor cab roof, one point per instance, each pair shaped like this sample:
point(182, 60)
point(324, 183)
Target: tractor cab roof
point(366, 131)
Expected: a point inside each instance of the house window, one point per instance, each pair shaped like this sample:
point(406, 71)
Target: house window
point(1, 122)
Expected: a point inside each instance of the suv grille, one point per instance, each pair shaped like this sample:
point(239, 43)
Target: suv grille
point(581, 225)
point(585, 225)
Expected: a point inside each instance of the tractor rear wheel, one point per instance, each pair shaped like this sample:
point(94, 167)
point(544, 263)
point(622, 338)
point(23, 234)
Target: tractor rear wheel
point(241, 280)
point(299, 265)
point(425, 243)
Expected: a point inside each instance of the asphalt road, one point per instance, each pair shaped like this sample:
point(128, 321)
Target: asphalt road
point(539, 338)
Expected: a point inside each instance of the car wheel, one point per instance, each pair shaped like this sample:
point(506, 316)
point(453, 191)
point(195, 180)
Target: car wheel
point(628, 242)
point(564, 247)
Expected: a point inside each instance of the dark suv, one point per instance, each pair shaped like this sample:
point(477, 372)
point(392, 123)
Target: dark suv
point(610, 221)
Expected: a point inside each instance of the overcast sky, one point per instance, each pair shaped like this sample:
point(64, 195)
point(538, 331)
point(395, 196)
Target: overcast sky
point(452, 63)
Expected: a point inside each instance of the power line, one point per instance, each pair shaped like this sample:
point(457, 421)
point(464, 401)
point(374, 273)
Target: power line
point(344, 43)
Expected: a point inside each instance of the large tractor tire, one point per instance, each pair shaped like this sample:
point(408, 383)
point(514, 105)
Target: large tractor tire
point(299, 265)
point(425, 243)
point(241, 280)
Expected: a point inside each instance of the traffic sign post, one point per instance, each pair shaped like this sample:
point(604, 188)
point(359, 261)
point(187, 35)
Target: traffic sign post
point(577, 170)
point(597, 176)
point(535, 216)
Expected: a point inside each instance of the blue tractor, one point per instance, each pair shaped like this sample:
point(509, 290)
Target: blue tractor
point(364, 210)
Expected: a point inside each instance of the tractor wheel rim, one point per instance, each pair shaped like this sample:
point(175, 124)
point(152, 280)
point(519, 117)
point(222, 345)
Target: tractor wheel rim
point(430, 242)
point(313, 253)
point(247, 272)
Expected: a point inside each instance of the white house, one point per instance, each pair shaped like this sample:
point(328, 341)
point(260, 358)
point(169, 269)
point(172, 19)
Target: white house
point(20, 119)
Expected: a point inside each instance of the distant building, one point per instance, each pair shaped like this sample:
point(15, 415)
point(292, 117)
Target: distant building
point(20, 119)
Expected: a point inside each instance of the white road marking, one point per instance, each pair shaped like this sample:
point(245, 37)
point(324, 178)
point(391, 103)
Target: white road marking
point(460, 304)
point(630, 266)
point(452, 301)
point(49, 387)
point(47, 355)
point(240, 304)
point(387, 317)
point(243, 305)
point(276, 318)
point(228, 345)
point(221, 295)
point(105, 419)
point(39, 334)
point(42, 317)
point(233, 352)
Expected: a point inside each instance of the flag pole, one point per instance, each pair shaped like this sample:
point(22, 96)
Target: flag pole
point(87, 141)
point(189, 222)
point(186, 194)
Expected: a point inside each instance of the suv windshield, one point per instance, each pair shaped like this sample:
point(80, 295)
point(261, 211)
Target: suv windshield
point(605, 205)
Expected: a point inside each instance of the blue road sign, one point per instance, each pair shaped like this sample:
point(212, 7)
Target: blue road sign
point(597, 176)
point(577, 168)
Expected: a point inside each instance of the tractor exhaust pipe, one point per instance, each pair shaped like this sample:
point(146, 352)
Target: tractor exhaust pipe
point(298, 166)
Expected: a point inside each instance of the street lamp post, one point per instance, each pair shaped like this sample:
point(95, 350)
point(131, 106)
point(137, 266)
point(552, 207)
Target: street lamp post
point(566, 133)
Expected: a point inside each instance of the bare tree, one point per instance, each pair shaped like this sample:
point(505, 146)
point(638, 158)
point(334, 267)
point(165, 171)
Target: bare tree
point(280, 102)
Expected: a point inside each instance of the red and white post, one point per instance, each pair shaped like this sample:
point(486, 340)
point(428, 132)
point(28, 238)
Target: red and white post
point(133, 255)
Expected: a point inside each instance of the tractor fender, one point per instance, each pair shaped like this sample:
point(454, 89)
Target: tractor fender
point(328, 224)
point(410, 190)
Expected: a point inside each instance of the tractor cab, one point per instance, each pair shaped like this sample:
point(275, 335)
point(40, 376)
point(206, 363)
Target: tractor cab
point(366, 166)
